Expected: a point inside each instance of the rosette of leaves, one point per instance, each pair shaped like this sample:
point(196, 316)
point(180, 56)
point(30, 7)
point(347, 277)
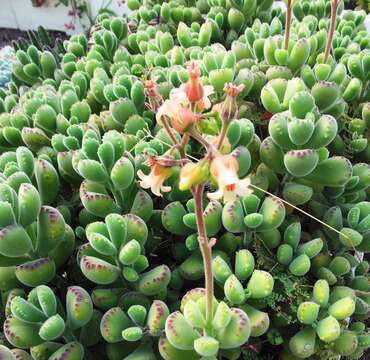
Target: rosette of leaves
point(243, 217)
point(33, 66)
point(352, 138)
point(234, 16)
point(344, 240)
point(114, 254)
point(108, 172)
point(353, 228)
point(293, 58)
point(245, 287)
point(87, 118)
point(103, 169)
point(354, 189)
point(20, 167)
point(332, 87)
point(277, 93)
point(36, 240)
point(358, 67)
point(186, 330)
point(34, 121)
point(40, 324)
point(349, 36)
point(242, 13)
point(133, 330)
point(116, 99)
point(294, 253)
point(297, 144)
point(324, 317)
point(317, 8)
point(224, 66)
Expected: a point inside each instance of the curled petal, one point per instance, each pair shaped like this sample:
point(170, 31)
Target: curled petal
point(154, 181)
point(217, 195)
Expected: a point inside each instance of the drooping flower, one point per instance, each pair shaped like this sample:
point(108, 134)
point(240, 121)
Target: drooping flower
point(158, 175)
point(182, 103)
point(177, 109)
point(224, 169)
point(229, 107)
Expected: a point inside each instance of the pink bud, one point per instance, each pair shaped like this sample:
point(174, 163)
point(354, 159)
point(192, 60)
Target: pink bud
point(193, 88)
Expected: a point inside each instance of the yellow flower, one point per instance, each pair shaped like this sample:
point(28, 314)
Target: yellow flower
point(192, 174)
point(226, 146)
point(224, 169)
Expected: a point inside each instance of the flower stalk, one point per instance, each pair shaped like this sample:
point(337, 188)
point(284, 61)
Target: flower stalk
point(228, 110)
point(183, 105)
point(288, 22)
point(222, 136)
point(333, 18)
point(206, 250)
point(181, 113)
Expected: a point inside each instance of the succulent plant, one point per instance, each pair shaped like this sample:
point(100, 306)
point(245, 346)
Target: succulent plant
point(322, 317)
point(35, 322)
point(188, 183)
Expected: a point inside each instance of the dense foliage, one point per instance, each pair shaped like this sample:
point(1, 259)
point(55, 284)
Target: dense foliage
point(192, 183)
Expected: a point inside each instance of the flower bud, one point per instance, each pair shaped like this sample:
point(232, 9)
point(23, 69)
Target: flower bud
point(192, 174)
point(193, 88)
point(229, 108)
point(154, 97)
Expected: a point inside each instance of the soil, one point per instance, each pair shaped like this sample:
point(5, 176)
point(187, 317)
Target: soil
point(7, 35)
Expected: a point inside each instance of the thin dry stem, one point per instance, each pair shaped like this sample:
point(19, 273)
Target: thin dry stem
point(197, 136)
point(304, 212)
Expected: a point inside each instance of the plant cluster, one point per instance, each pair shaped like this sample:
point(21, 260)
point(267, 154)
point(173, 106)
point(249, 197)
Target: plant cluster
point(192, 183)
point(7, 56)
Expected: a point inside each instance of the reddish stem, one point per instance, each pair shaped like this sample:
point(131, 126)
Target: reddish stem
point(184, 141)
point(197, 136)
point(169, 132)
point(288, 22)
point(333, 17)
point(206, 251)
point(222, 136)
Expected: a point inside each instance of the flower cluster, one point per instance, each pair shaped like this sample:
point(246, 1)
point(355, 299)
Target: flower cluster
point(183, 110)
